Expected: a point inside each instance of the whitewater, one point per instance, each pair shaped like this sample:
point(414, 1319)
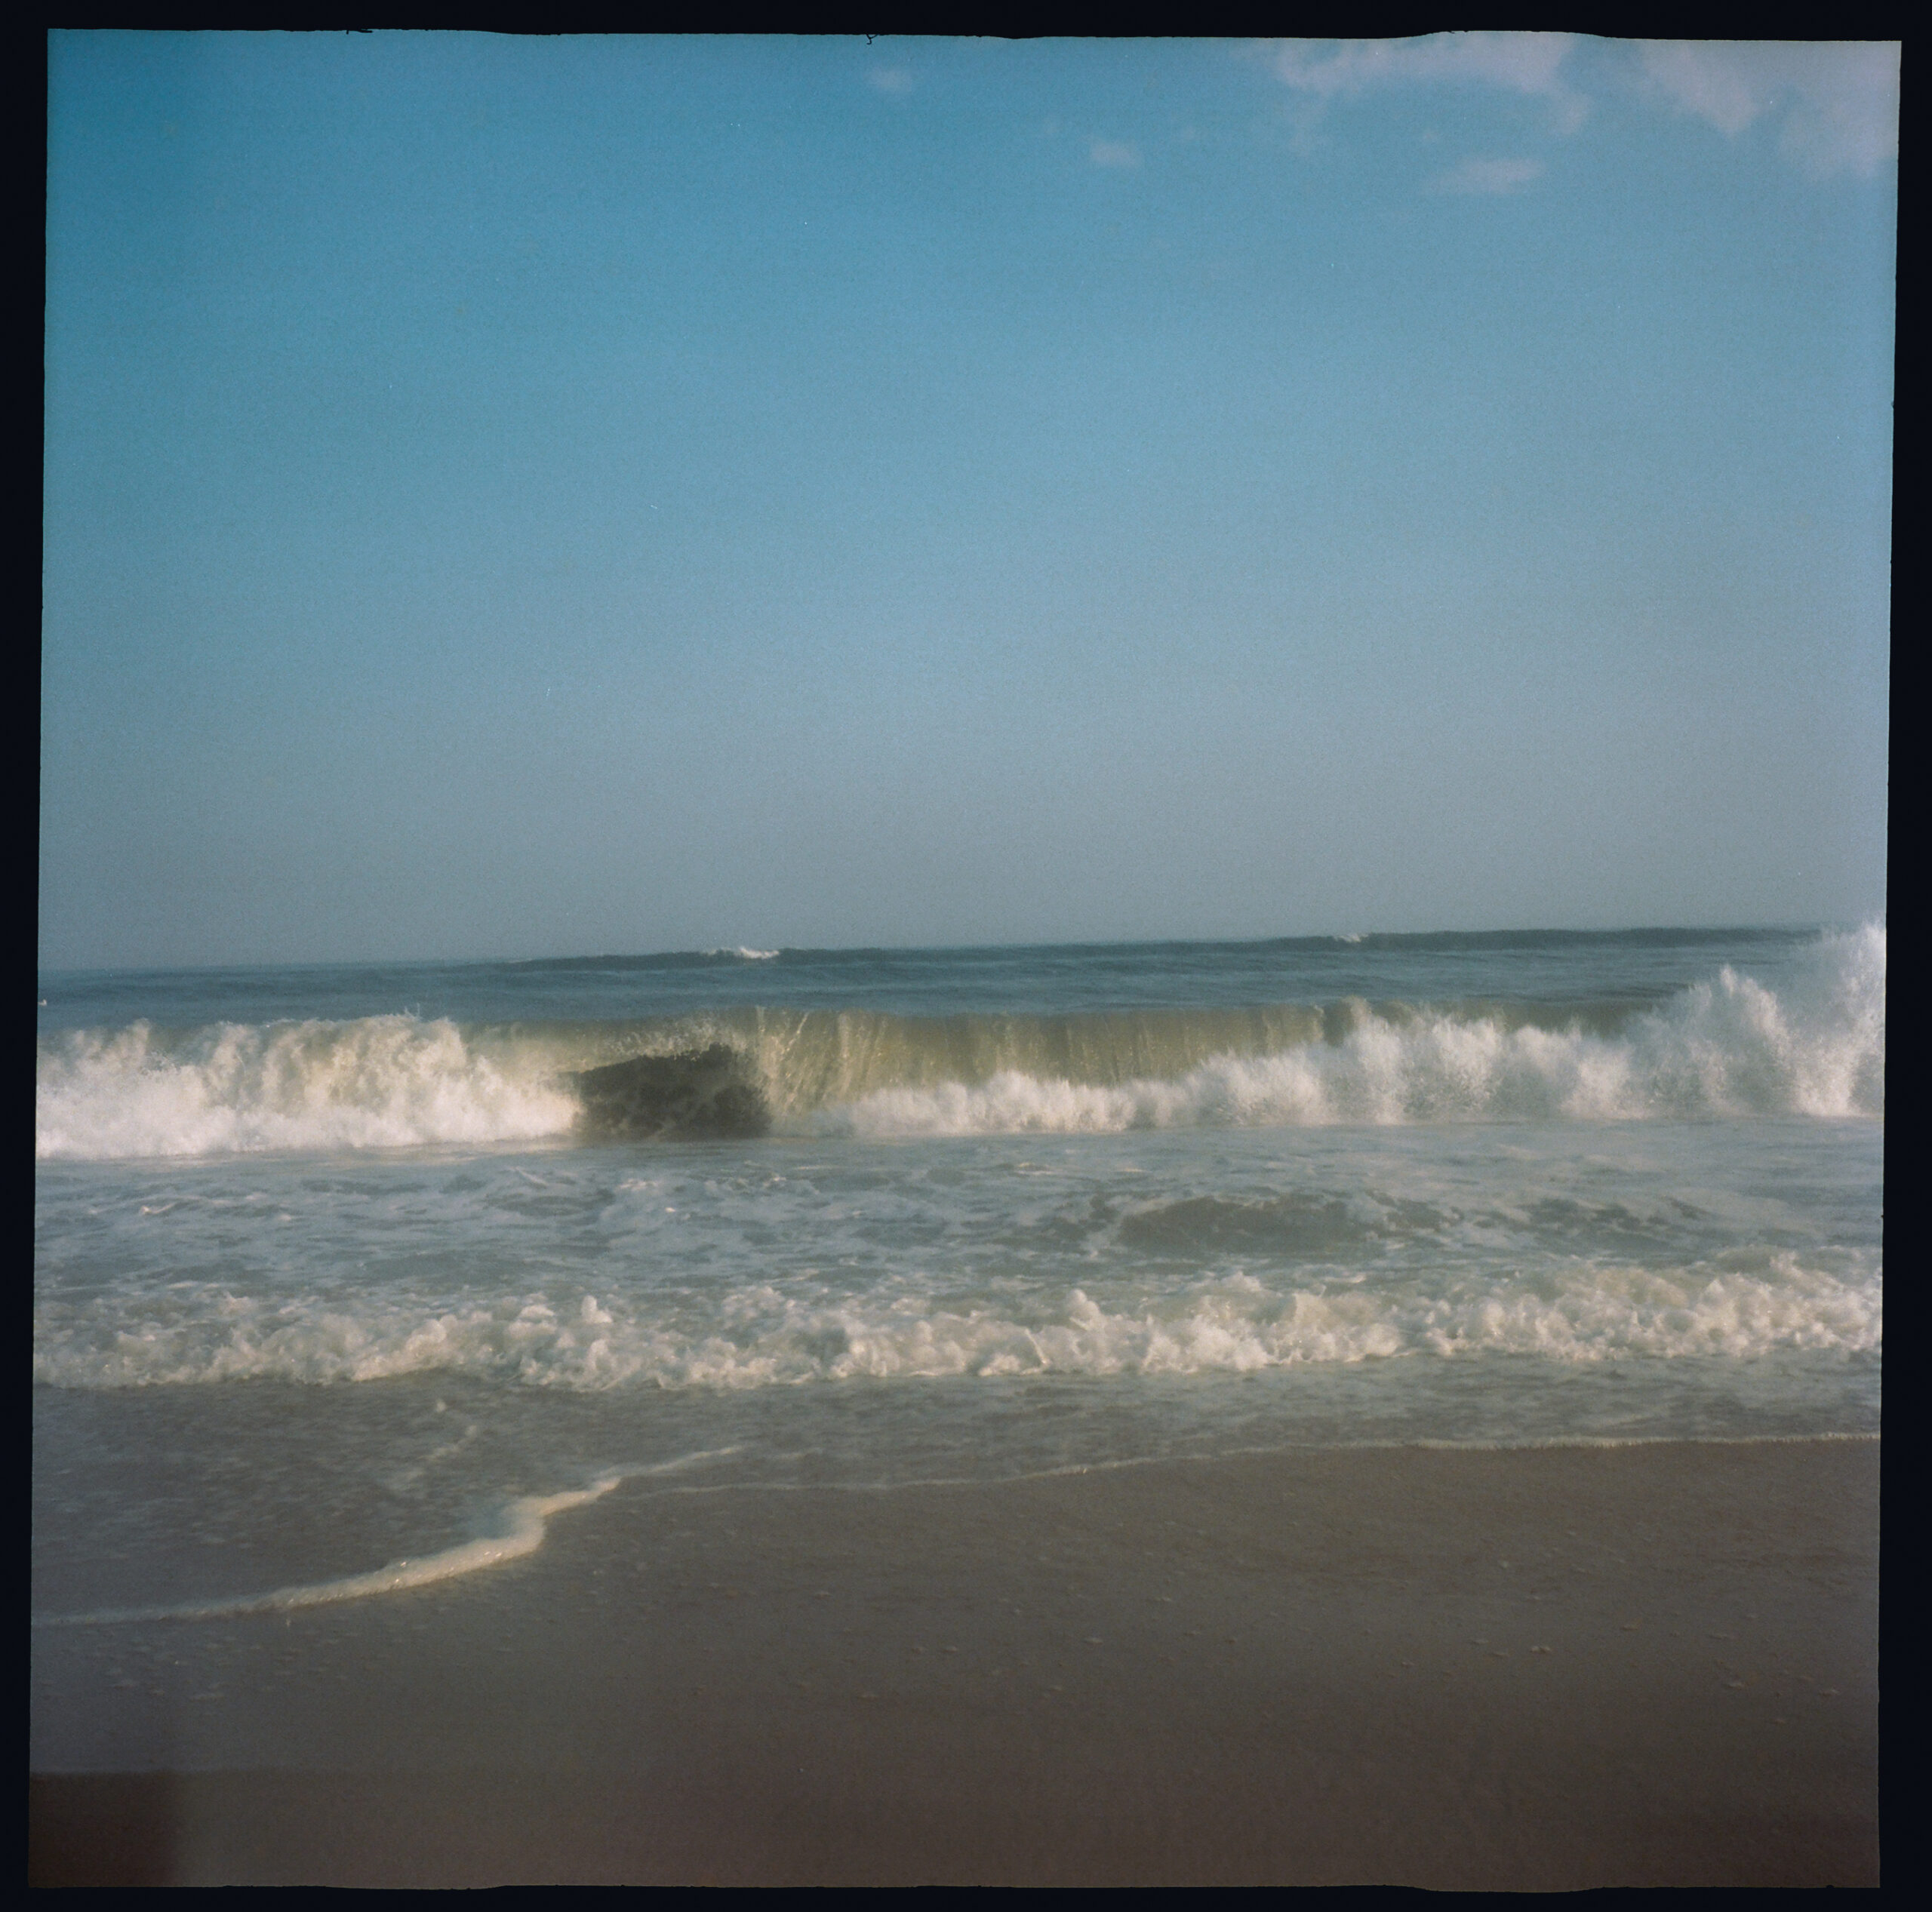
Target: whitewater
point(348, 1277)
point(1728, 1046)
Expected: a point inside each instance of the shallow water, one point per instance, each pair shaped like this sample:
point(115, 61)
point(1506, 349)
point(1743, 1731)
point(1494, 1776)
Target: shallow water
point(328, 1274)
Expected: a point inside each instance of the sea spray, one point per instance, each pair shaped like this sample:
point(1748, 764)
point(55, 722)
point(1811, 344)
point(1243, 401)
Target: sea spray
point(1018, 1210)
point(1813, 1044)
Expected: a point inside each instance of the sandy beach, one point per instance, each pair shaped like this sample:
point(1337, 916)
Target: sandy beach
point(1537, 1669)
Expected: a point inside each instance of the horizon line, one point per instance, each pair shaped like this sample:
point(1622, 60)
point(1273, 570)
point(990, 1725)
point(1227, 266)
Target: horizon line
point(726, 950)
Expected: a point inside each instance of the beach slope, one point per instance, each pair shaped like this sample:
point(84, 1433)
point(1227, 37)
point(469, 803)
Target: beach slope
point(1528, 1669)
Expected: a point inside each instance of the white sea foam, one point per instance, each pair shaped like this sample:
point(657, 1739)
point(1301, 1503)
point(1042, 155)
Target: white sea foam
point(382, 1082)
point(1730, 1047)
point(1742, 1303)
point(521, 1528)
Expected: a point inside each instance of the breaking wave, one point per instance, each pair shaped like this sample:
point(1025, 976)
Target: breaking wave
point(1731, 1046)
point(1742, 1302)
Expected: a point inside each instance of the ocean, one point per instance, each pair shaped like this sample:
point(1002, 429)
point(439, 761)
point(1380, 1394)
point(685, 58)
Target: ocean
point(352, 1278)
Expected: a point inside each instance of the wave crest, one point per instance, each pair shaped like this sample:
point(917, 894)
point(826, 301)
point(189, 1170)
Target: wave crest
point(1743, 1302)
point(1733, 1045)
point(1729, 1047)
point(381, 1082)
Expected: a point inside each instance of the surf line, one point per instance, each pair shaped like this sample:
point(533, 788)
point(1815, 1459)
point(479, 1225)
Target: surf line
point(525, 1521)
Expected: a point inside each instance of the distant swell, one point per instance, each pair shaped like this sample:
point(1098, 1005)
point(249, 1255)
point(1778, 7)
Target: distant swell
point(1729, 1047)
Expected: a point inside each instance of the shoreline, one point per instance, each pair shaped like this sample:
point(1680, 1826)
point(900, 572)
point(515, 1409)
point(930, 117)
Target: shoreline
point(1526, 1668)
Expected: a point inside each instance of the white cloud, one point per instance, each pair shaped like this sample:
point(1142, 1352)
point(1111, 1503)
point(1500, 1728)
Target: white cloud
point(1528, 63)
point(1488, 176)
point(890, 79)
point(1840, 101)
point(1835, 104)
point(1112, 152)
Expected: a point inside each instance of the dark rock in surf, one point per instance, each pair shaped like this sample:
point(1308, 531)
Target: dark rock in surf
point(697, 1093)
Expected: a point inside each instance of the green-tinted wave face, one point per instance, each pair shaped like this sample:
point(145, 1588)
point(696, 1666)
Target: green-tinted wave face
point(818, 1059)
point(806, 1060)
point(1813, 1044)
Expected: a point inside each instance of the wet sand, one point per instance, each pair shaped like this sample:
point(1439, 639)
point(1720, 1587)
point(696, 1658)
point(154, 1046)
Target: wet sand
point(1531, 1670)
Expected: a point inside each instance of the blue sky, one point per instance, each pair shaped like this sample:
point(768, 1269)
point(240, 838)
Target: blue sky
point(512, 496)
